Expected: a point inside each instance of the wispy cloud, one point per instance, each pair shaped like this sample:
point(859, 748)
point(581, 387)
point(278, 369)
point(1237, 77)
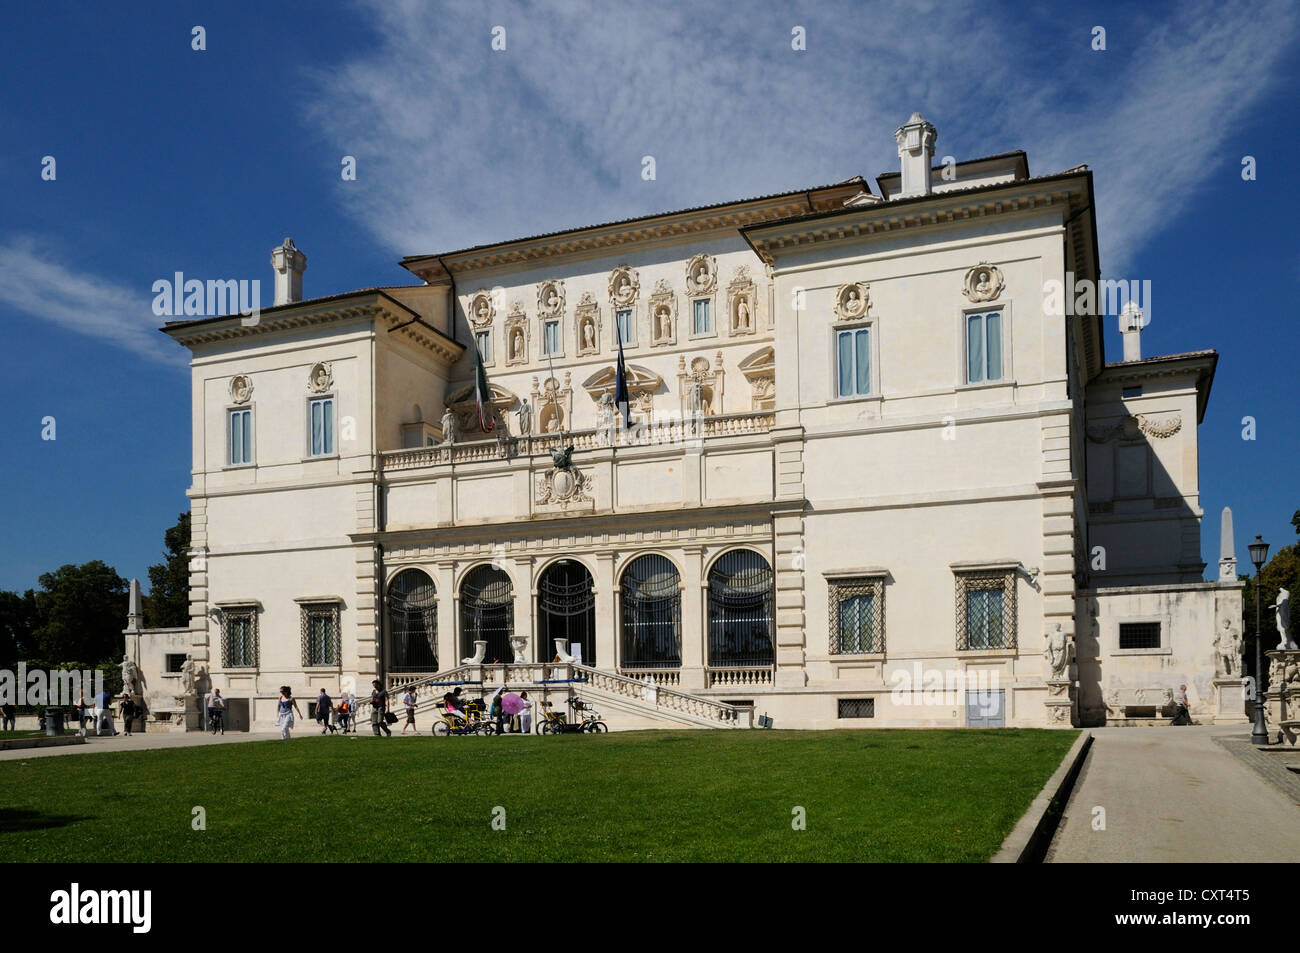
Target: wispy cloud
point(32, 281)
point(458, 144)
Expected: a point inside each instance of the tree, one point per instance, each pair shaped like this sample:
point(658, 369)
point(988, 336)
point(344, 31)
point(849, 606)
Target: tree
point(80, 614)
point(1280, 572)
point(168, 605)
point(17, 619)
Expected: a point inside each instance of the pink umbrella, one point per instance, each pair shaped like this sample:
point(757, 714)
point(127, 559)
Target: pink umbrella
point(512, 704)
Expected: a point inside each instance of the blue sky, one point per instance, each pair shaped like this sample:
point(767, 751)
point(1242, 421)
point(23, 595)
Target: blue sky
point(170, 159)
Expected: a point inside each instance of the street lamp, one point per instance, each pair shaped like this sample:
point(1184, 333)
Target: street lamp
point(1259, 734)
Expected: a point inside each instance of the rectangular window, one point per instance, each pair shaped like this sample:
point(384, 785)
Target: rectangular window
point(984, 347)
point(484, 341)
point(703, 317)
point(322, 427)
point(856, 707)
point(320, 634)
point(174, 662)
point(551, 337)
point(1139, 635)
point(854, 359)
point(623, 319)
point(986, 609)
point(857, 615)
point(239, 638)
point(241, 437)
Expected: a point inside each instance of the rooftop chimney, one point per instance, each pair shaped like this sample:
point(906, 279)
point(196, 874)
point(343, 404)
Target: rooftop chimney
point(915, 140)
point(289, 264)
point(1130, 329)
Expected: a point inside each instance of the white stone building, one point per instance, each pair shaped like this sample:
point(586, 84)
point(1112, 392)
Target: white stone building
point(869, 460)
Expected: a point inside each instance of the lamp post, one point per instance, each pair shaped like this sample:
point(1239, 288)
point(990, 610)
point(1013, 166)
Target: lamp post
point(1258, 734)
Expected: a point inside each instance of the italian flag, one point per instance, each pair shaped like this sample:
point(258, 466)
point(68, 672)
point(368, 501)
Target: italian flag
point(482, 395)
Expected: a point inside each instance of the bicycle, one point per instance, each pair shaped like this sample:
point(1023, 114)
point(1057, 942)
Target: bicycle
point(471, 723)
point(590, 718)
point(216, 720)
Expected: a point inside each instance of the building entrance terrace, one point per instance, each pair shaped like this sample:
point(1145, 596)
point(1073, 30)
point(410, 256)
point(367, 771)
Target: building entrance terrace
point(732, 639)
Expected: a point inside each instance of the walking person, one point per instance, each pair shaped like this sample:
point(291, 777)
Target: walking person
point(8, 713)
point(104, 713)
point(408, 701)
point(216, 712)
point(284, 717)
point(1182, 715)
point(498, 711)
point(83, 707)
point(345, 710)
point(526, 714)
point(324, 705)
point(379, 710)
point(128, 712)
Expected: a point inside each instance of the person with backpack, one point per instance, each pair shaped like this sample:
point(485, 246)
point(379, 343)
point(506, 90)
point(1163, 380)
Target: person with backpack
point(408, 701)
point(345, 711)
point(379, 710)
point(324, 705)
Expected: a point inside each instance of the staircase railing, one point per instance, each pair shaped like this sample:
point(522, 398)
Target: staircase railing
point(668, 699)
point(545, 674)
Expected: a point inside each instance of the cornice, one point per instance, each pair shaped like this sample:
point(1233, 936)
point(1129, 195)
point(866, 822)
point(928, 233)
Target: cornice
point(607, 237)
point(945, 208)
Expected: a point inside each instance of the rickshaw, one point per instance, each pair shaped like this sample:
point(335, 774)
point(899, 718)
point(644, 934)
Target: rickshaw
point(473, 722)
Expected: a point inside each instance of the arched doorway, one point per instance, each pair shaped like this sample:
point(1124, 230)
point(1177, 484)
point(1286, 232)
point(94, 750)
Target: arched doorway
point(412, 622)
point(740, 611)
point(651, 596)
point(487, 613)
point(566, 609)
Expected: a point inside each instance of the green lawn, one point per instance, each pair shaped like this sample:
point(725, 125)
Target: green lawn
point(941, 795)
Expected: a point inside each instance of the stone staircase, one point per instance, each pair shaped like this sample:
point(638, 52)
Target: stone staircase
point(637, 704)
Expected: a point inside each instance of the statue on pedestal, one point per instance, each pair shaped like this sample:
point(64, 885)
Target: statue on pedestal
point(1227, 652)
point(187, 677)
point(1057, 654)
point(1283, 607)
point(449, 430)
point(525, 417)
point(132, 683)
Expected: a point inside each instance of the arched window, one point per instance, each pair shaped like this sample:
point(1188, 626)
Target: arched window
point(412, 622)
point(740, 611)
point(487, 613)
point(651, 593)
point(566, 609)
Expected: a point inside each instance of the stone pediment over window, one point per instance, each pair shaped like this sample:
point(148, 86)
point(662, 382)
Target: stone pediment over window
point(463, 405)
point(639, 380)
point(760, 370)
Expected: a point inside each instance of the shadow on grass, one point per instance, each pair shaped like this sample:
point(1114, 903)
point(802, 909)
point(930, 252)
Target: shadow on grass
point(13, 820)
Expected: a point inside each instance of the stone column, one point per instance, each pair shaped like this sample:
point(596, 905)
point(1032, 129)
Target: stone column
point(787, 526)
point(525, 600)
point(607, 621)
point(448, 615)
point(693, 621)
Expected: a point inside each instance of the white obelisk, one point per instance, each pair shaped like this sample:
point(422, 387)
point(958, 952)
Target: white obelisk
point(1227, 549)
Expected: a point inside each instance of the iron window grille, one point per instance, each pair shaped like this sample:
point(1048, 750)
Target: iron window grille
point(239, 638)
point(651, 599)
point(741, 611)
point(986, 609)
point(321, 634)
point(857, 615)
point(175, 662)
point(487, 613)
point(1139, 635)
point(856, 707)
point(566, 609)
point(412, 622)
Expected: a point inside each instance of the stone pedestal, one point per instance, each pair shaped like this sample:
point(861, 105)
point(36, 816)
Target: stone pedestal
point(1061, 703)
point(1229, 701)
point(1282, 700)
point(191, 715)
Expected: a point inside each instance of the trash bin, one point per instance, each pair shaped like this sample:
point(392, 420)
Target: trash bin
point(54, 721)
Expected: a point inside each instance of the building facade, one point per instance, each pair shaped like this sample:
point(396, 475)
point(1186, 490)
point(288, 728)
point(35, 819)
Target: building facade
point(868, 475)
